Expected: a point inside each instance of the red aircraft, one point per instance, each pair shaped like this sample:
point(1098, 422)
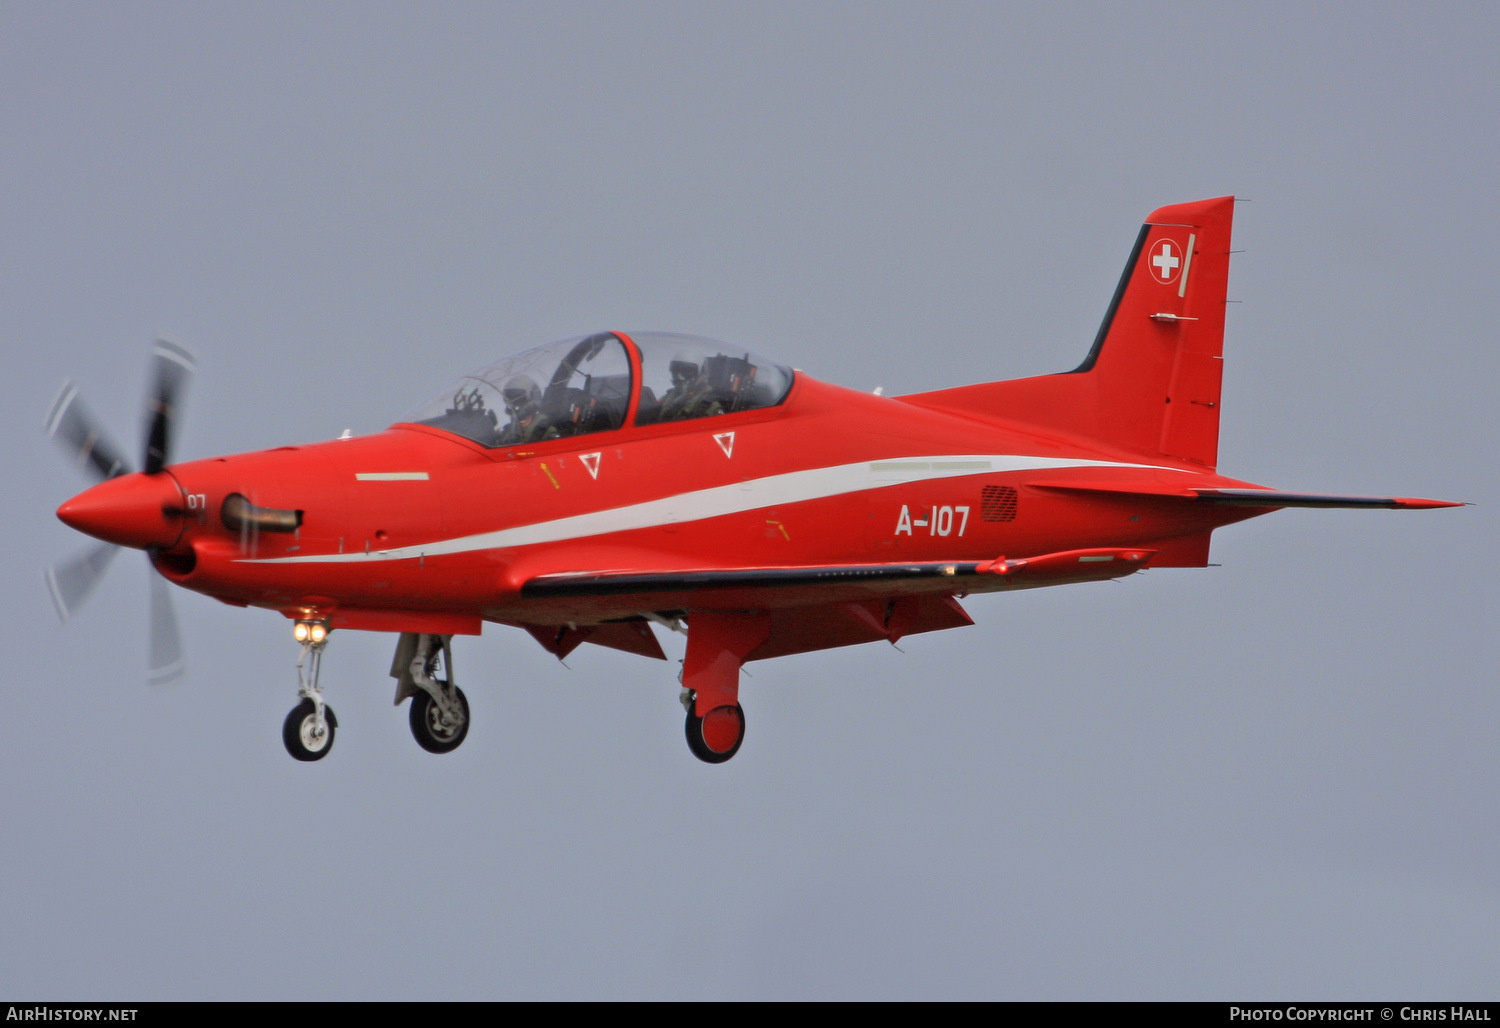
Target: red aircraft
point(588, 490)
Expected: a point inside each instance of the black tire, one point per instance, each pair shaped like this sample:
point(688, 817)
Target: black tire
point(700, 748)
point(296, 732)
point(429, 731)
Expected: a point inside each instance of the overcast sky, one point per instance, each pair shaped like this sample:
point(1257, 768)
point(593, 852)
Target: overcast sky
point(1276, 778)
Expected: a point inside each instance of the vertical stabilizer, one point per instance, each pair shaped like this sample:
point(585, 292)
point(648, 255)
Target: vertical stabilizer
point(1150, 384)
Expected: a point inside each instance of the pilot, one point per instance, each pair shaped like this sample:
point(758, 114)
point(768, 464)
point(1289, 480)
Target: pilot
point(523, 402)
point(691, 395)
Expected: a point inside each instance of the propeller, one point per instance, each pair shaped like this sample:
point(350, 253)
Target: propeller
point(80, 435)
point(76, 430)
point(165, 660)
point(173, 367)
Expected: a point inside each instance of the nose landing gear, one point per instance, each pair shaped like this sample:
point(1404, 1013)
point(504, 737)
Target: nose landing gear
point(309, 729)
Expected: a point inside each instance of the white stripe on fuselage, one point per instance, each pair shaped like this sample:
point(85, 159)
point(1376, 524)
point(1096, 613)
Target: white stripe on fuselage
point(735, 498)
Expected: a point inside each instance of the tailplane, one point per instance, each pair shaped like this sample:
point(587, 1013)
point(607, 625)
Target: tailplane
point(1151, 383)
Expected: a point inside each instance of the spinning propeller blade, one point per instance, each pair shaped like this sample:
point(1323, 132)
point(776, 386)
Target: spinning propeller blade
point(173, 367)
point(74, 427)
point(70, 583)
point(166, 646)
point(77, 431)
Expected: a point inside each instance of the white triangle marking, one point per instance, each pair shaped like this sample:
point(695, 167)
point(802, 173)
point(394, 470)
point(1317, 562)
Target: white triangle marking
point(591, 462)
point(726, 442)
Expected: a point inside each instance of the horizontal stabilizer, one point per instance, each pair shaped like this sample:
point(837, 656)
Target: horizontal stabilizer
point(1267, 498)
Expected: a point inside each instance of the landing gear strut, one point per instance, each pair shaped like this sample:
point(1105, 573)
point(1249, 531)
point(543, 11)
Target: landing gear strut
point(717, 645)
point(309, 729)
point(439, 709)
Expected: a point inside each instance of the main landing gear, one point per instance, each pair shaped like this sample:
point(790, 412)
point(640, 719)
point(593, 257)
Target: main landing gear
point(309, 729)
point(717, 645)
point(716, 736)
point(439, 709)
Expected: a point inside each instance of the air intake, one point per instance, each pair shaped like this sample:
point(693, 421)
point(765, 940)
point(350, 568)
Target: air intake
point(998, 503)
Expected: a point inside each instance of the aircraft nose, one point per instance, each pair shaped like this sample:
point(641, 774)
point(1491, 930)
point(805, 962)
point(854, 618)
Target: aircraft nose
point(130, 510)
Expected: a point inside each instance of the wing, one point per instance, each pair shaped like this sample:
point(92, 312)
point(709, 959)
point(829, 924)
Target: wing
point(757, 586)
point(810, 607)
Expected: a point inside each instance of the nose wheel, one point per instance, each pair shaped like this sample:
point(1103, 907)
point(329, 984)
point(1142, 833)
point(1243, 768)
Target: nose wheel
point(308, 732)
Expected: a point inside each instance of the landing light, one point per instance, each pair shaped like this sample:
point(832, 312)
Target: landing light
point(310, 631)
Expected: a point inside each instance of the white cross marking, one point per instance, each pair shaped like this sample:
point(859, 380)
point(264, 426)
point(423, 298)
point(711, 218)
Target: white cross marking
point(1165, 262)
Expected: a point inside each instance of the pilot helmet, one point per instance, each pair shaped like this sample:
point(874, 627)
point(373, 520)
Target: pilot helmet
point(684, 367)
point(521, 392)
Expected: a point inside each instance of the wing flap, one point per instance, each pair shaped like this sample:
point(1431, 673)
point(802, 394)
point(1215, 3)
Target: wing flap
point(631, 636)
point(803, 629)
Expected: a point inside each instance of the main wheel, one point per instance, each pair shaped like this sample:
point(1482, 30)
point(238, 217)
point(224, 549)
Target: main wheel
point(432, 733)
point(716, 736)
point(299, 731)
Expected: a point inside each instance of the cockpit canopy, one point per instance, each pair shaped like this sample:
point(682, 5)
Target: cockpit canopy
point(585, 385)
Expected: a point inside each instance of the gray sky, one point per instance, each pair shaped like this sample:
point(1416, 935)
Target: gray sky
point(1276, 778)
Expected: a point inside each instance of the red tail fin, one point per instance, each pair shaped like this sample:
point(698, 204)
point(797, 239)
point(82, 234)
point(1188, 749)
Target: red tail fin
point(1150, 385)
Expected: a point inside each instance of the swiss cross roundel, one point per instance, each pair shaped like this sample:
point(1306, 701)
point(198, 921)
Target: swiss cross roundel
point(1164, 258)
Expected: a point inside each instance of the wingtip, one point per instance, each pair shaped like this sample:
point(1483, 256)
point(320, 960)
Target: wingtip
point(1418, 503)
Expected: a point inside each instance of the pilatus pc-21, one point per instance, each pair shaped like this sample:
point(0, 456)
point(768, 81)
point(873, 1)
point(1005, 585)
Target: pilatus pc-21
point(594, 489)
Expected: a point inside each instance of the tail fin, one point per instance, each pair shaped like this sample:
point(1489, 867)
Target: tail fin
point(1150, 385)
